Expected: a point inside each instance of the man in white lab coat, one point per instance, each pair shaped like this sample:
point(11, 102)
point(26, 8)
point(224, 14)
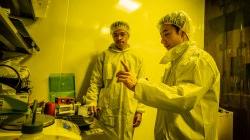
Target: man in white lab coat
point(115, 105)
point(188, 97)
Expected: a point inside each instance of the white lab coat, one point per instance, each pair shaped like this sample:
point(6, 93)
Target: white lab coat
point(117, 102)
point(188, 99)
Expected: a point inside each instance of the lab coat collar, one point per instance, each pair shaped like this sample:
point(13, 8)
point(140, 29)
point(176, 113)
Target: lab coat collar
point(175, 52)
point(113, 48)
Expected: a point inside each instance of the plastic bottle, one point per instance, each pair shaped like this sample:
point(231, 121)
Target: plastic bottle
point(32, 130)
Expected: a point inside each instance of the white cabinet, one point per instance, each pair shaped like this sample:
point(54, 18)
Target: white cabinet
point(225, 125)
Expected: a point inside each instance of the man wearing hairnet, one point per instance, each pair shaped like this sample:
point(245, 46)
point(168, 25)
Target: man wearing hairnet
point(188, 97)
point(118, 111)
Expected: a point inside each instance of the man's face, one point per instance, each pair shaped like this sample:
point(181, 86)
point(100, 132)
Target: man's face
point(120, 38)
point(170, 37)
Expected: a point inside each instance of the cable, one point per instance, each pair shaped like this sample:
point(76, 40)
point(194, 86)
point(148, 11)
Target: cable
point(18, 75)
point(64, 35)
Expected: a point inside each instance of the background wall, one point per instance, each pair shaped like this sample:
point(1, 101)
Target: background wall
point(75, 31)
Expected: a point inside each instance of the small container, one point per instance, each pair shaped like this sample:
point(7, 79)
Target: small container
point(32, 131)
point(50, 108)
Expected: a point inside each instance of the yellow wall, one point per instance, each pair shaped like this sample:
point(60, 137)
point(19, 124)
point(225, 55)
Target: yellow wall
point(74, 32)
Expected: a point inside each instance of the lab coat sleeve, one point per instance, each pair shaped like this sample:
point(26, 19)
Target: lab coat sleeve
point(181, 97)
point(96, 82)
point(140, 108)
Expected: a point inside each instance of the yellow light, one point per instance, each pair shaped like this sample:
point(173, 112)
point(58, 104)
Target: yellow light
point(128, 5)
point(105, 30)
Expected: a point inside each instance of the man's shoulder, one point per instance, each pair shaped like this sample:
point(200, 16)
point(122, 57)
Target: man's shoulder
point(194, 54)
point(101, 55)
point(198, 52)
point(197, 55)
point(105, 52)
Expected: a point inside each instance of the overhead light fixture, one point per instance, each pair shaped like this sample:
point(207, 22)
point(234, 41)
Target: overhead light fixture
point(128, 5)
point(105, 30)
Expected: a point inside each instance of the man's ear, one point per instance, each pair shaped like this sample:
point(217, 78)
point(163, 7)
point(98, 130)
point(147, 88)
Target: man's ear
point(184, 35)
point(180, 32)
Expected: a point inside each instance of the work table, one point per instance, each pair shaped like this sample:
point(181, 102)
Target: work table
point(97, 132)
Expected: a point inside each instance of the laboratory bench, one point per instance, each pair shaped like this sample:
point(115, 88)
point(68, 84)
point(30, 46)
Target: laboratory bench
point(90, 127)
point(97, 132)
point(66, 129)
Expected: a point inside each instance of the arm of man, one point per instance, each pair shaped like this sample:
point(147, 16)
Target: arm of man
point(178, 98)
point(96, 83)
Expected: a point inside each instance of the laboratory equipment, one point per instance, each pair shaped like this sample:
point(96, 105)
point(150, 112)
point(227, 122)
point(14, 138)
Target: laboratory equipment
point(14, 88)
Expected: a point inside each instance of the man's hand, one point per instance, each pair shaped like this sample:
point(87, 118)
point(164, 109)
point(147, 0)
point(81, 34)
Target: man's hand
point(94, 111)
point(126, 77)
point(137, 119)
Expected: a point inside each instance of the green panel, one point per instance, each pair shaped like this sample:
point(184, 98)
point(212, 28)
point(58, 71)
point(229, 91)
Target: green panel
point(61, 84)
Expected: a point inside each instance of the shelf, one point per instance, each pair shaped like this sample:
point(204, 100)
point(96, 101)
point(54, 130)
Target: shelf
point(231, 21)
point(14, 37)
point(235, 100)
point(10, 33)
point(31, 9)
point(237, 94)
